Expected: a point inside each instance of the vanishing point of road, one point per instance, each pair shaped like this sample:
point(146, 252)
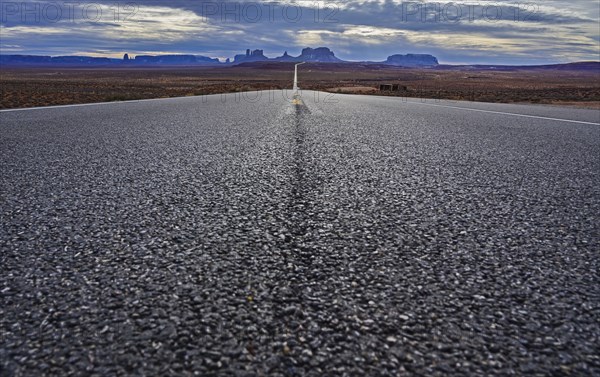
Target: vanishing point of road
point(245, 235)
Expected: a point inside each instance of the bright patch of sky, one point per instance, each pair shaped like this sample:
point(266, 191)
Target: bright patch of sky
point(494, 32)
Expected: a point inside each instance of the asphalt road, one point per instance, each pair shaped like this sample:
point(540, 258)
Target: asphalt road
point(350, 235)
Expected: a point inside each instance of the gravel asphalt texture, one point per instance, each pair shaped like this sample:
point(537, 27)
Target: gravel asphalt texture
point(350, 236)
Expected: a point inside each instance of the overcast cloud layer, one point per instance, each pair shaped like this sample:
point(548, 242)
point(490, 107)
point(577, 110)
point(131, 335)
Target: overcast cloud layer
point(493, 32)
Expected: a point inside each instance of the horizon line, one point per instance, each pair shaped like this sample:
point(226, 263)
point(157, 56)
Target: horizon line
point(222, 60)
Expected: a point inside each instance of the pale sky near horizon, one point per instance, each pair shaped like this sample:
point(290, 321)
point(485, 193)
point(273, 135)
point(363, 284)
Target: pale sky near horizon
point(468, 32)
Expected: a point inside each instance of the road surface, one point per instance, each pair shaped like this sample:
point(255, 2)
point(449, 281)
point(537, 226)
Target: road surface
point(351, 235)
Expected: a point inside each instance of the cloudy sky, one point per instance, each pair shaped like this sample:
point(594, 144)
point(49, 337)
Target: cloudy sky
point(492, 32)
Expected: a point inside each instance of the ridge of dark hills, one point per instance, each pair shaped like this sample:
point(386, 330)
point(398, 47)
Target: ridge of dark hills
point(318, 58)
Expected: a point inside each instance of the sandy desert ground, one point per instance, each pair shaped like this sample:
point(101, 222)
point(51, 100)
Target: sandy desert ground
point(27, 87)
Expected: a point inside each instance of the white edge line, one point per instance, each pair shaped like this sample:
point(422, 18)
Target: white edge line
point(416, 103)
point(125, 102)
point(94, 104)
point(113, 102)
point(504, 113)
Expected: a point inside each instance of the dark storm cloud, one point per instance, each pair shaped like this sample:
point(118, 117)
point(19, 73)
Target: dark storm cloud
point(370, 30)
